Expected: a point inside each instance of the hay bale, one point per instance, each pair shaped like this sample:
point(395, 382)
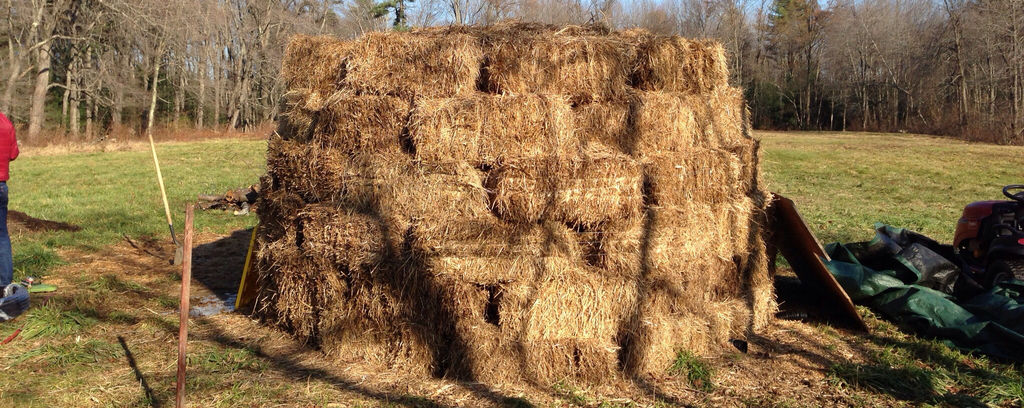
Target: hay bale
point(313, 68)
point(649, 123)
point(513, 28)
point(605, 124)
point(598, 187)
point(414, 66)
point(322, 174)
point(604, 186)
point(567, 226)
point(675, 64)
point(275, 209)
point(667, 122)
point(583, 360)
point(571, 301)
point(686, 243)
point(524, 191)
point(487, 237)
point(361, 124)
point(585, 68)
point(727, 123)
point(490, 130)
point(666, 324)
point(343, 238)
point(288, 296)
point(489, 253)
point(701, 175)
point(417, 192)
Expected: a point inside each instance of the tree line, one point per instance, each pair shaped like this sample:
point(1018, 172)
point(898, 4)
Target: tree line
point(81, 69)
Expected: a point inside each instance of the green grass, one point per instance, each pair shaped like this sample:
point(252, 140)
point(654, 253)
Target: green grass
point(697, 371)
point(55, 320)
point(844, 183)
point(226, 361)
point(73, 353)
point(111, 283)
point(925, 371)
point(571, 393)
point(115, 194)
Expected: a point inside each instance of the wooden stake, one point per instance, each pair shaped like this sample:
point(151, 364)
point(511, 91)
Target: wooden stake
point(186, 280)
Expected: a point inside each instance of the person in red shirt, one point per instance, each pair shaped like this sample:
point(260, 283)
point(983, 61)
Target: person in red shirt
point(8, 152)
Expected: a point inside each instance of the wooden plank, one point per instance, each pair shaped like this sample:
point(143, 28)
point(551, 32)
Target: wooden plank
point(183, 307)
point(247, 286)
point(795, 241)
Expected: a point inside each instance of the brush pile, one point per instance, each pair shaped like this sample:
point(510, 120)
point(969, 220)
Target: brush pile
point(516, 202)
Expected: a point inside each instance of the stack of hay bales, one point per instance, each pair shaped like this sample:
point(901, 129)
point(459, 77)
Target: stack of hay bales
point(513, 202)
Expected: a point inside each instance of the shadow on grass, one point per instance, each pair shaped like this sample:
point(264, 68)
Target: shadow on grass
point(926, 371)
point(147, 391)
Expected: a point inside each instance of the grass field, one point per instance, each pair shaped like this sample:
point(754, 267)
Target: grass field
point(107, 338)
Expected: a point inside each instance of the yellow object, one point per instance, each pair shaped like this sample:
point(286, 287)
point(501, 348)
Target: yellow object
point(243, 298)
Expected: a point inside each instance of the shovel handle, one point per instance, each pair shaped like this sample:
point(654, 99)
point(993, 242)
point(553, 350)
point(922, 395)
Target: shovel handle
point(163, 191)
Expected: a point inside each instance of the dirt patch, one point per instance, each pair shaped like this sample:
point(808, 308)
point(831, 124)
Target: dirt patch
point(20, 220)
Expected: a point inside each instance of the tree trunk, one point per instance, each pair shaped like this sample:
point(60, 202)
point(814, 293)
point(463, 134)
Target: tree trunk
point(178, 101)
point(151, 120)
point(12, 80)
point(42, 82)
point(118, 108)
point(73, 111)
point(66, 99)
point(201, 101)
point(962, 83)
point(218, 78)
point(90, 111)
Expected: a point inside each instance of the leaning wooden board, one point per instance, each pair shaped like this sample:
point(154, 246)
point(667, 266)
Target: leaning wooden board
point(247, 286)
point(796, 242)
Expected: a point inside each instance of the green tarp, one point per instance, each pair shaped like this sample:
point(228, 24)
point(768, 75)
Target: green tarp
point(909, 279)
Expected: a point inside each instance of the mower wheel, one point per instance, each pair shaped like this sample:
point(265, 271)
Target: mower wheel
point(1006, 269)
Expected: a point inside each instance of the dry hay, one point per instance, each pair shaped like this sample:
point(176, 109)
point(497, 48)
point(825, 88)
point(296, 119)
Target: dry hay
point(341, 237)
point(511, 28)
point(524, 192)
point(585, 68)
point(488, 130)
point(671, 324)
point(403, 65)
point(509, 203)
point(600, 186)
point(363, 124)
point(312, 69)
point(320, 174)
point(699, 175)
point(604, 186)
point(655, 122)
point(675, 64)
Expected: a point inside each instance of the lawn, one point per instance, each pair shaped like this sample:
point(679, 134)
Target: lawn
point(844, 183)
point(115, 194)
point(107, 337)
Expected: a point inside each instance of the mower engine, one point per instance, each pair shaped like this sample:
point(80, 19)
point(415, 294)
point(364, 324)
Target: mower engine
point(989, 239)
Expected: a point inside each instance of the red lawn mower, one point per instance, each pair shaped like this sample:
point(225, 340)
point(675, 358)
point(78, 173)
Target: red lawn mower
point(989, 239)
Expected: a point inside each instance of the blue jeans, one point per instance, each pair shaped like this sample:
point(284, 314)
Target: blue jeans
point(6, 262)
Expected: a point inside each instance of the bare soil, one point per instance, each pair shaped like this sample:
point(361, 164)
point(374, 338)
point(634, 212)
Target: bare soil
point(17, 220)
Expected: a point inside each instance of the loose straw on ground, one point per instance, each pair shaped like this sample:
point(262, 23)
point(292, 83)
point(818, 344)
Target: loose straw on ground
point(186, 278)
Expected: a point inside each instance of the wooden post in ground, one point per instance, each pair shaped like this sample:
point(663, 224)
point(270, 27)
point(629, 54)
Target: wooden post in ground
point(186, 280)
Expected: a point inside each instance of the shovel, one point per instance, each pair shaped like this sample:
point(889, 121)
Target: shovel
point(167, 208)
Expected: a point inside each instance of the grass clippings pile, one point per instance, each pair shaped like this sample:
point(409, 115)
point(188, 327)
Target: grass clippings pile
point(517, 202)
